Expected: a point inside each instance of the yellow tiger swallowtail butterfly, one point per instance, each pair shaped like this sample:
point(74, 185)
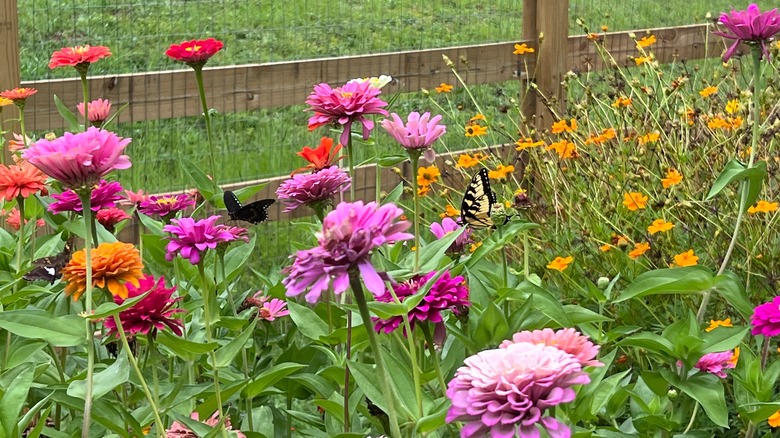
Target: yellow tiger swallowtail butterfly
point(478, 201)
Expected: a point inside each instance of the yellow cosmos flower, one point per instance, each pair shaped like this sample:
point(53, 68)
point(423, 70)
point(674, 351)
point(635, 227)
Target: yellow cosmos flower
point(427, 175)
point(475, 130)
point(673, 178)
point(473, 247)
point(501, 171)
point(449, 211)
point(564, 149)
point(639, 60)
point(660, 226)
point(605, 247)
point(646, 41)
point(687, 258)
point(715, 323)
point(444, 88)
point(774, 419)
point(560, 263)
point(733, 106)
point(709, 91)
point(649, 138)
point(734, 358)
point(622, 101)
point(476, 118)
point(639, 249)
point(527, 143)
point(562, 126)
point(634, 201)
point(763, 207)
point(465, 160)
point(522, 49)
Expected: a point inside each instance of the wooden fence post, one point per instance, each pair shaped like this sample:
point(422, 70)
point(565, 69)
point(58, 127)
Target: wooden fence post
point(9, 56)
point(527, 94)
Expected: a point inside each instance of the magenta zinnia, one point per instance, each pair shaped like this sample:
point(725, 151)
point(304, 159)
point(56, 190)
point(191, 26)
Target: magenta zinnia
point(505, 392)
point(568, 340)
point(165, 206)
point(154, 312)
point(344, 106)
point(717, 363)
point(79, 160)
point(349, 234)
point(189, 238)
point(749, 26)
point(194, 53)
point(447, 226)
point(446, 293)
point(419, 132)
point(104, 195)
point(312, 188)
point(766, 318)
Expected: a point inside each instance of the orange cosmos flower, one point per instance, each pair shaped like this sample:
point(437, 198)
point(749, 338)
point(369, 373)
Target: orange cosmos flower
point(774, 419)
point(501, 171)
point(475, 130)
point(673, 178)
point(477, 118)
point(660, 226)
point(79, 56)
point(605, 247)
point(763, 207)
point(564, 149)
point(634, 201)
point(709, 91)
point(639, 249)
point(562, 126)
point(21, 179)
point(113, 265)
point(560, 263)
point(427, 175)
point(649, 138)
point(449, 211)
point(423, 191)
point(686, 259)
point(646, 41)
point(622, 101)
point(715, 323)
point(444, 88)
point(526, 143)
point(522, 49)
point(465, 160)
point(639, 60)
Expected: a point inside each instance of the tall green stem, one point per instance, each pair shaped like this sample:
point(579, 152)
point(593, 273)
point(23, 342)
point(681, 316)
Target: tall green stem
point(206, 295)
point(86, 203)
point(20, 244)
point(744, 186)
point(85, 92)
point(410, 339)
point(348, 341)
point(207, 118)
point(414, 157)
point(134, 363)
point(360, 299)
point(20, 105)
point(434, 356)
point(351, 163)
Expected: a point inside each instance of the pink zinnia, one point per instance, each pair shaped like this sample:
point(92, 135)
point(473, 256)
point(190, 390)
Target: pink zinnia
point(190, 238)
point(313, 189)
point(349, 234)
point(134, 198)
point(418, 133)
point(104, 195)
point(79, 56)
point(766, 318)
point(447, 226)
point(568, 340)
point(79, 160)
point(505, 392)
point(98, 110)
point(194, 53)
point(154, 312)
point(14, 220)
point(165, 206)
point(272, 309)
point(447, 293)
point(178, 430)
point(345, 105)
point(716, 363)
point(749, 26)
point(110, 217)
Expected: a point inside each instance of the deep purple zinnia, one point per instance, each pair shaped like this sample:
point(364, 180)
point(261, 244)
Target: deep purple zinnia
point(505, 392)
point(419, 132)
point(79, 160)
point(749, 26)
point(568, 340)
point(766, 318)
point(345, 105)
point(165, 206)
point(446, 293)
point(447, 226)
point(313, 189)
point(154, 312)
point(104, 195)
point(190, 237)
point(349, 234)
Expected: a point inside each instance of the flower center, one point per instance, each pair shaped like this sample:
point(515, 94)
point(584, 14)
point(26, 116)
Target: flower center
point(192, 49)
point(346, 94)
point(167, 201)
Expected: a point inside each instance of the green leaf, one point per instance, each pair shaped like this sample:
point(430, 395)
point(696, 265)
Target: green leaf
point(432, 422)
point(650, 341)
point(36, 431)
point(736, 171)
point(63, 331)
point(492, 326)
point(708, 391)
point(269, 377)
point(366, 378)
point(432, 253)
point(104, 381)
point(723, 339)
point(202, 182)
point(68, 116)
point(224, 355)
point(498, 240)
point(732, 288)
point(153, 226)
point(236, 258)
point(761, 412)
point(394, 194)
point(110, 308)
point(308, 322)
point(243, 194)
point(15, 396)
point(692, 279)
point(391, 160)
point(183, 348)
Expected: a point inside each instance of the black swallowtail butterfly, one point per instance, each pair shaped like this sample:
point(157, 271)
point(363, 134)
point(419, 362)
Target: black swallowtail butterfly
point(50, 268)
point(254, 212)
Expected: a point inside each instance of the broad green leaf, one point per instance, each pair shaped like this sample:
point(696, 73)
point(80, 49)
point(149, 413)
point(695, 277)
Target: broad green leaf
point(650, 341)
point(758, 411)
point(391, 160)
point(110, 308)
point(183, 348)
point(36, 431)
point(307, 321)
point(492, 326)
point(732, 288)
point(498, 240)
point(692, 279)
point(549, 305)
point(606, 389)
point(62, 331)
point(394, 194)
point(269, 377)
point(225, 354)
point(432, 253)
point(236, 258)
point(432, 422)
point(708, 391)
point(202, 182)
point(68, 116)
point(723, 339)
point(366, 377)
point(104, 381)
point(736, 171)
point(15, 396)
point(151, 225)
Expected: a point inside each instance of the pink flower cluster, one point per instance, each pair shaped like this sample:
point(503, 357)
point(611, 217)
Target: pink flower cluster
point(419, 133)
point(103, 195)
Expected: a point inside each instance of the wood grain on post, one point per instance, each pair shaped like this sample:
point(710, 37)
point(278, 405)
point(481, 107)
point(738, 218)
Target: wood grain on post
point(9, 56)
point(527, 94)
point(552, 21)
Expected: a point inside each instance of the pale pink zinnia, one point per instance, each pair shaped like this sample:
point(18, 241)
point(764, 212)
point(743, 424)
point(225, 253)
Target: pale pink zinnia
point(190, 238)
point(344, 106)
point(165, 206)
point(313, 189)
point(154, 312)
point(503, 393)
point(103, 195)
point(418, 133)
point(568, 340)
point(79, 160)
point(98, 110)
point(749, 26)
point(349, 235)
point(446, 293)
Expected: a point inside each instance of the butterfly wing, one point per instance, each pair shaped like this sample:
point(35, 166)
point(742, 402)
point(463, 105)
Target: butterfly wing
point(254, 212)
point(231, 203)
point(50, 268)
point(478, 201)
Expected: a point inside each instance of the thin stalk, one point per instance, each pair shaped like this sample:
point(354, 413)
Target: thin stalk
point(207, 322)
point(348, 342)
point(207, 118)
point(153, 358)
point(351, 164)
point(20, 244)
point(526, 264)
point(360, 299)
point(86, 200)
point(434, 356)
point(134, 363)
point(85, 93)
point(414, 157)
point(20, 105)
point(743, 187)
point(412, 355)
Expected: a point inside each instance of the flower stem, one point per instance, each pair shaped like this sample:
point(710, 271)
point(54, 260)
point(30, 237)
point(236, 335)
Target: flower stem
point(85, 196)
point(206, 295)
point(351, 163)
point(414, 157)
point(207, 118)
point(434, 356)
point(743, 187)
point(134, 363)
point(21, 124)
point(85, 93)
point(20, 244)
point(412, 355)
point(360, 299)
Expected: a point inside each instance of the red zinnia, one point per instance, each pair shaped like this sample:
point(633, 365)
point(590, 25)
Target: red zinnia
point(154, 312)
point(18, 95)
point(324, 156)
point(194, 53)
point(73, 56)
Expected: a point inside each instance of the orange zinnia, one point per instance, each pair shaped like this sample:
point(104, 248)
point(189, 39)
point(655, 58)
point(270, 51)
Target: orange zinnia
point(113, 265)
point(21, 179)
